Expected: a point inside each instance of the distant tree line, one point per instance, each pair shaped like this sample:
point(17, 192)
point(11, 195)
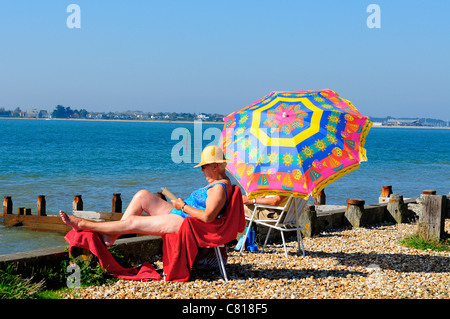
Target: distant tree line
point(62, 112)
point(8, 113)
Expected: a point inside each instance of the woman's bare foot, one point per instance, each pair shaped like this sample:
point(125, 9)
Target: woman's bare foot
point(71, 221)
point(74, 222)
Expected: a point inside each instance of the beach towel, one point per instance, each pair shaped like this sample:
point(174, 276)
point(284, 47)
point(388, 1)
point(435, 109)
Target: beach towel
point(93, 242)
point(180, 249)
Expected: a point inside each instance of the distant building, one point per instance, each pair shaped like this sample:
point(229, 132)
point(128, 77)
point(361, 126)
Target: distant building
point(399, 122)
point(202, 117)
point(35, 113)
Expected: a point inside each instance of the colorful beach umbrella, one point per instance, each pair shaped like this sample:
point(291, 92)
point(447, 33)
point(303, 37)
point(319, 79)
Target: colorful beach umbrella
point(294, 143)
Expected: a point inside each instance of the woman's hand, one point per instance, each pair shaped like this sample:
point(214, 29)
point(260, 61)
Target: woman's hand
point(178, 204)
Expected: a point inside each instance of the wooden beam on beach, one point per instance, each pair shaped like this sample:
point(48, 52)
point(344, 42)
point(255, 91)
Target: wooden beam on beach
point(41, 206)
point(355, 212)
point(116, 205)
point(42, 223)
point(7, 205)
point(77, 203)
point(432, 219)
point(97, 216)
point(53, 223)
point(397, 211)
point(321, 198)
point(386, 192)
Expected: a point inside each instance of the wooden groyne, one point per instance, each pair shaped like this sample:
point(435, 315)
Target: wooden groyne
point(429, 209)
point(41, 221)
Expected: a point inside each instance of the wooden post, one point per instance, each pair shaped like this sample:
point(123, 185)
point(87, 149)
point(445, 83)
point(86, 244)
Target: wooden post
point(385, 193)
point(28, 211)
point(21, 211)
point(355, 212)
point(448, 206)
point(321, 198)
point(308, 219)
point(7, 205)
point(431, 220)
point(77, 203)
point(41, 206)
point(116, 204)
point(161, 195)
point(396, 209)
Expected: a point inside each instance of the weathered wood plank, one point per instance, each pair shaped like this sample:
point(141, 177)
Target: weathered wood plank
point(60, 228)
point(44, 223)
point(97, 216)
point(432, 220)
point(396, 209)
point(354, 213)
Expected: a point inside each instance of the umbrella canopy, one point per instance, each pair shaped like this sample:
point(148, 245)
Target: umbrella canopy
point(294, 143)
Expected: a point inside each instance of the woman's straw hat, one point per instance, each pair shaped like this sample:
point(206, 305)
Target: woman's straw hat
point(212, 154)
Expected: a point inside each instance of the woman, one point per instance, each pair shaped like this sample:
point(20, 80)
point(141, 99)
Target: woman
point(205, 204)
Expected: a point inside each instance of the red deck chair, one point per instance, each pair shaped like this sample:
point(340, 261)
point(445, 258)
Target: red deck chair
point(180, 249)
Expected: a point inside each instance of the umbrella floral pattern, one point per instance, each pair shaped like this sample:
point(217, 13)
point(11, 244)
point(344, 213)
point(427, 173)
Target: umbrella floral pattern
point(294, 143)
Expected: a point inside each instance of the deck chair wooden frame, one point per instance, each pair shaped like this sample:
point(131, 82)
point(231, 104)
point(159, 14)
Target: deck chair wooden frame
point(286, 222)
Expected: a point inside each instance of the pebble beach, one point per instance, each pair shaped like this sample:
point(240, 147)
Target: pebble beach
point(350, 263)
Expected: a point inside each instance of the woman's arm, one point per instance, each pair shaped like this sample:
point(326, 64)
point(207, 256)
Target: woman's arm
point(214, 203)
point(272, 201)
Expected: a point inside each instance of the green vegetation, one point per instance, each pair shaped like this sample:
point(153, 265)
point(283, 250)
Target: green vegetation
point(52, 282)
point(415, 241)
point(13, 286)
point(62, 112)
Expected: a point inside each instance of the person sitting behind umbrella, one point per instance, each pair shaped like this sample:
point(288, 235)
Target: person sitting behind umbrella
point(264, 213)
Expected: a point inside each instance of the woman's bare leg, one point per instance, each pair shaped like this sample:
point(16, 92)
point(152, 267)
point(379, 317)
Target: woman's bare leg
point(149, 225)
point(132, 221)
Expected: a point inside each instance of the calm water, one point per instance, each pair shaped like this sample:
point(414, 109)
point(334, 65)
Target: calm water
point(59, 159)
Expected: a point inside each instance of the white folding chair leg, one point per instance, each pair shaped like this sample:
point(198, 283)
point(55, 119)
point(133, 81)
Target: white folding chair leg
point(284, 243)
point(220, 262)
point(300, 243)
point(267, 237)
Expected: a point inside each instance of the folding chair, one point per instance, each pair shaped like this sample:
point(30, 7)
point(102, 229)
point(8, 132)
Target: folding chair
point(287, 221)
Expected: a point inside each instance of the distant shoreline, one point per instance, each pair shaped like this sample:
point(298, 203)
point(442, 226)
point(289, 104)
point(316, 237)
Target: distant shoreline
point(109, 120)
point(191, 122)
point(412, 127)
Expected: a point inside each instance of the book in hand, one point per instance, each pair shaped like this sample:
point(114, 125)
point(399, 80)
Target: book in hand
point(168, 193)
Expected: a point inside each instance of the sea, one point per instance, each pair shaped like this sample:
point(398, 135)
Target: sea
point(96, 159)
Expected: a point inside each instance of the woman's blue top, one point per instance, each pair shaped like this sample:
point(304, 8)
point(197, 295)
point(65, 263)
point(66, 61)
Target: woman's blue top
point(198, 200)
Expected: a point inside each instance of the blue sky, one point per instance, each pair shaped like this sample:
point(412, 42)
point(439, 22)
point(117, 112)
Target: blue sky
point(220, 55)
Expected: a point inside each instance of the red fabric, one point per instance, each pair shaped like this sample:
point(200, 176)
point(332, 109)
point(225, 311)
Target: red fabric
point(93, 242)
point(180, 249)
